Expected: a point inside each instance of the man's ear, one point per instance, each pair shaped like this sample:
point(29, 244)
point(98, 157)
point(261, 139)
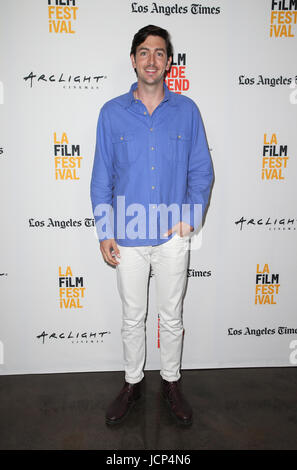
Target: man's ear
point(169, 63)
point(133, 61)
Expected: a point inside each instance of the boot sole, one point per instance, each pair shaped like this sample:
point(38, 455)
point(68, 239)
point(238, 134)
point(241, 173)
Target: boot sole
point(178, 420)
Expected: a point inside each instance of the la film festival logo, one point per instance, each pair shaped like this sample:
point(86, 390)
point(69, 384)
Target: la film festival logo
point(67, 158)
point(71, 289)
point(274, 160)
point(62, 15)
point(267, 286)
point(283, 18)
point(176, 79)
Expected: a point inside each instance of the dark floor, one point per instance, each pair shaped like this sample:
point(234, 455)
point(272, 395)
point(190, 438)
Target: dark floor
point(254, 408)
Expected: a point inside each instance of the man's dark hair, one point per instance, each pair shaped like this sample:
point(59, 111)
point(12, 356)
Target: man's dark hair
point(151, 30)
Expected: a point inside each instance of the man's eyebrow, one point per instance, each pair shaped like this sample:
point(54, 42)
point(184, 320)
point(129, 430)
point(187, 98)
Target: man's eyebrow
point(147, 49)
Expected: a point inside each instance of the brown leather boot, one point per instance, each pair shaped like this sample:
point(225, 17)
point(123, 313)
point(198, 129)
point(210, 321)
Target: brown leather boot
point(179, 407)
point(120, 407)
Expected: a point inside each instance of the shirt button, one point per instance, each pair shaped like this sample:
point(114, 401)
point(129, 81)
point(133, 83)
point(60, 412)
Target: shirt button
point(179, 136)
point(153, 187)
point(153, 148)
point(122, 138)
point(144, 112)
point(154, 207)
point(153, 167)
point(151, 129)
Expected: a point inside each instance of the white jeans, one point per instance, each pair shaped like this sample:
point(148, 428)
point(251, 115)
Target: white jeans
point(169, 263)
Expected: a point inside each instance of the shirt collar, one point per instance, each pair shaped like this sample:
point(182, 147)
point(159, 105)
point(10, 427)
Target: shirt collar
point(168, 96)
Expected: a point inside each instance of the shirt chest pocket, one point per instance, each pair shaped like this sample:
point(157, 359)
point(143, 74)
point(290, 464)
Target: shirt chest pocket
point(124, 148)
point(179, 146)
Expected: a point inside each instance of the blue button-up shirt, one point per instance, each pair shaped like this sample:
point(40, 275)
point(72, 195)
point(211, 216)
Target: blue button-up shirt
point(145, 165)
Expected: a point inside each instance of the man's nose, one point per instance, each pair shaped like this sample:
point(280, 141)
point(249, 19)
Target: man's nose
point(152, 58)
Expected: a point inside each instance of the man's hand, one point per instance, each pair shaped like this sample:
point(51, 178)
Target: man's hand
point(181, 228)
point(110, 250)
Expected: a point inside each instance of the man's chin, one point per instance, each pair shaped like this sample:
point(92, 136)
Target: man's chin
point(153, 81)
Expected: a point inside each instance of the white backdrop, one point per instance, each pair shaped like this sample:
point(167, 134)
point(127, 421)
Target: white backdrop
point(239, 76)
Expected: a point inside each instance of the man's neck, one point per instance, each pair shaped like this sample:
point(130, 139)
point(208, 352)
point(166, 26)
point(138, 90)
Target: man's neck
point(151, 96)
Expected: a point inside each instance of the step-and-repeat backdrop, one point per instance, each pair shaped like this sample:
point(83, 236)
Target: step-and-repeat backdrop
point(61, 60)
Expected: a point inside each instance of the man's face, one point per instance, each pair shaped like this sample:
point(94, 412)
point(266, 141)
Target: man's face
point(151, 61)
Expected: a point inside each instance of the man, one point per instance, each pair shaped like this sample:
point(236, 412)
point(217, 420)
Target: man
point(151, 160)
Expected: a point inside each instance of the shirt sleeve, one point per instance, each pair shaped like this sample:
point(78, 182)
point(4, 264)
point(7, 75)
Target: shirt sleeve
point(102, 179)
point(200, 174)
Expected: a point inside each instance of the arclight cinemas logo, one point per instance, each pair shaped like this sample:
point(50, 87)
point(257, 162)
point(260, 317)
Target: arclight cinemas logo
point(72, 336)
point(81, 81)
point(269, 223)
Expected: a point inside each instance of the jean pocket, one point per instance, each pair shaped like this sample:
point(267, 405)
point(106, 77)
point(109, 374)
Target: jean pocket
point(184, 238)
